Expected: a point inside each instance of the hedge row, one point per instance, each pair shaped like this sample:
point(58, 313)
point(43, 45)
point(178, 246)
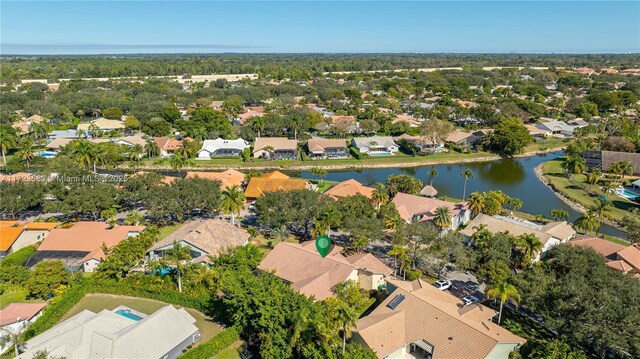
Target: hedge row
point(59, 306)
point(20, 256)
point(356, 153)
point(218, 343)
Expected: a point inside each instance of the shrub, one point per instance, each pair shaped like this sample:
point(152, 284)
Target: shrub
point(221, 341)
point(356, 153)
point(20, 256)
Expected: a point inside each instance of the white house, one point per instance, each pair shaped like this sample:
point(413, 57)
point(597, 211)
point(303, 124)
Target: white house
point(560, 128)
point(16, 316)
point(222, 148)
point(375, 145)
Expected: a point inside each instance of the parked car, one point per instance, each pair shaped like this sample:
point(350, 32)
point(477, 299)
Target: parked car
point(442, 284)
point(468, 300)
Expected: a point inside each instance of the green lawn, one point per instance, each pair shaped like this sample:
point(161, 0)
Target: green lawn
point(16, 297)
point(550, 143)
point(577, 190)
point(167, 230)
point(98, 302)
point(230, 353)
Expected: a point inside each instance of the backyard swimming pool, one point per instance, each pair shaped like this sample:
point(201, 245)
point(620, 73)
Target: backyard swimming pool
point(628, 194)
point(128, 314)
point(46, 154)
point(379, 154)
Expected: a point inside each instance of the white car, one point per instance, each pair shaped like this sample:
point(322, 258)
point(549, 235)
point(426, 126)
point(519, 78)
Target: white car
point(468, 300)
point(442, 284)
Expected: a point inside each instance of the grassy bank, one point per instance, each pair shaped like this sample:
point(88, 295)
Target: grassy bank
point(577, 189)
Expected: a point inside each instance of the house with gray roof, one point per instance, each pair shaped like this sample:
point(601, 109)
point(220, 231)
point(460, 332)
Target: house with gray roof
point(375, 145)
point(119, 333)
point(222, 148)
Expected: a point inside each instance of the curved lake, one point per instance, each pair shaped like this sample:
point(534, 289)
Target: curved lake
point(515, 177)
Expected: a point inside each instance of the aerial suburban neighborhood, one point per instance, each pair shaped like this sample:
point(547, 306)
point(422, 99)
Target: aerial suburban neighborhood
point(307, 192)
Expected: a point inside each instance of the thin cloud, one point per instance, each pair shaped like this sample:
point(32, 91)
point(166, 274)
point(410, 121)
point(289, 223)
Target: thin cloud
point(125, 46)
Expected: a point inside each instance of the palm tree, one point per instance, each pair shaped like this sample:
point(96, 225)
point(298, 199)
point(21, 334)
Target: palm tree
point(576, 165)
point(83, 152)
point(626, 168)
point(400, 255)
point(177, 256)
point(529, 246)
point(587, 222)
point(258, 124)
point(319, 172)
point(615, 169)
point(466, 174)
point(593, 177)
point(233, 200)
point(136, 152)
point(475, 203)
point(199, 133)
point(99, 156)
point(514, 203)
point(25, 151)
point(379, 196)
point(13, 337)
point(7, 141)
point(600, 211)
point(505, 292)
point(328, 218)
point(39, 130)
point(433, 173)
point(559, 214)
point(347, 316)
point(442, 217)
point(151, 148)
point(177, 161)
point(279, 234)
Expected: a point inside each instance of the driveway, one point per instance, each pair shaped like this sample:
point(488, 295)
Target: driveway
point(464, 284)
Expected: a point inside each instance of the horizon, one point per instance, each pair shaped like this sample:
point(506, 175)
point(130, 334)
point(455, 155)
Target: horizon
point(211, 28)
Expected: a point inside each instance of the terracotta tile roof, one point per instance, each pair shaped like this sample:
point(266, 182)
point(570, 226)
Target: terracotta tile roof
point(87, 237)
point(19, 311)
point(312, 275)
point(320, 144)
point(496, 225)
point(227, 179)
point(167, 143)
point(211, 236)
point(8, 236)
point(435, 317)
point(258, 186)
point(409, 206)
point(58, 143)
point(278, 143)
point(4, 224)
point(631, 255)
point(275, 174)
point(349, 188)
point(619, 265)
point(602, 246)
point(370, 263)
point(41, 225)
point(102, 124)
point(457, 136)
point(561, 230)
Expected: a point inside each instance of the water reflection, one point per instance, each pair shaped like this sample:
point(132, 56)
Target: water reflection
point(504, 172)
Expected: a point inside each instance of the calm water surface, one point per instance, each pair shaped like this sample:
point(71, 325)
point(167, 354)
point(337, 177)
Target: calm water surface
point(515, 177)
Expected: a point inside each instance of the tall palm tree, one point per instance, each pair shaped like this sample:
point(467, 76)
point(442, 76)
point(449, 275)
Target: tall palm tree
point(136, 152)
point(514, 204)
point(258, 124)
point(25, 151)
point(433, 173)
point(559, 214)
point(233, 200)
point(600, 211)
point(151, 148)
point(587, 222)
point(529, 246)
point(13, 337)
point(7, 141)
point(99, 156)
point(466, 174)
point(177, 256)
point(379, 196)
point(39, 130)
point(199, 133)
point(614, 169)
point(475, 203)
point(83, 152)
point(593, 177)
point(626, 169)
point(177, 161)
point(347, 316)
point(442, 217)
point(505, 292)
point(401, 256)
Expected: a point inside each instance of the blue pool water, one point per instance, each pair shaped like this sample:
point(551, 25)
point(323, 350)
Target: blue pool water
point(379, 154)
point(47, 154)
point(127, 314)
point(631, 195)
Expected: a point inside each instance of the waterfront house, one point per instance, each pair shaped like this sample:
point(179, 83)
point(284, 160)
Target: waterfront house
point(118, 333)
point(327, 148)
point(549, 235)
point(602, 160)
point(424, 145)
point(206, 238)
point(131, 141)
point(559, 128)
point(466, 139)
point(168, 145)
point(307, 272)
point(625, 259)
point(273, 182)
point(102, 124)
point(275, 148)
point(417, 320)
point(222, 148)
point(537, 132)
point(375, 145)
point(80, 246)
point(422, 209)
point(227, 179)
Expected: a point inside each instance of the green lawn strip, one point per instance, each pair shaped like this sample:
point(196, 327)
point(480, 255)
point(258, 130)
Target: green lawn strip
point(167, 230)
point(576, 190)
point(551, 143)
point(230, 353)
point(99, 302)
point(215, 345)
point(16, 297)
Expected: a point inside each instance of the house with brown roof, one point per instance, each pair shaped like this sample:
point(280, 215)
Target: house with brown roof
point(102, 124)
point(80, 246)
point(275, 148)
point(273, 182)
point(349, 188)
point(549, 235)
point(227, 179)
point(17, 316)
point(462, 138)
point(206, 238)
point(422, 209)
point(425, 145)
point(408, 119)
point(347, 124)
point(307, 272)
point(20, 235)
point(625, 259)
point(327, 148)
point(167, 145)
point(419, 321)
point(23, 126)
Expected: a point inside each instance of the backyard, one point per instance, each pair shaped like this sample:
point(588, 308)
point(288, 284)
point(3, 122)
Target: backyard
point(98, 302)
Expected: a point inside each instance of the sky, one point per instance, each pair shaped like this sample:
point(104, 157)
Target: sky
point(94, 27)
